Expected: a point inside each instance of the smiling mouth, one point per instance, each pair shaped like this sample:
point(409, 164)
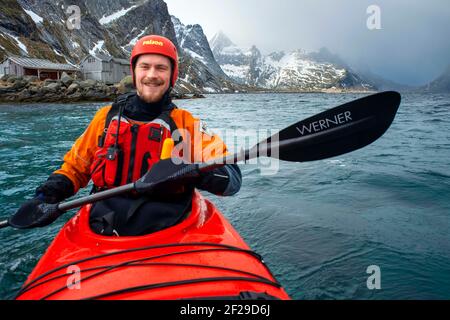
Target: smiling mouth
point(152, 85)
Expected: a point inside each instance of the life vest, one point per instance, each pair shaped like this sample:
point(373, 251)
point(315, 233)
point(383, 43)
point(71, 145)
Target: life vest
point(126, 151)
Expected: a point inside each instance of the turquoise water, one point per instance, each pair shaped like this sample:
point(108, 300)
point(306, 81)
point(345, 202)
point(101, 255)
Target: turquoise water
point(318, 225)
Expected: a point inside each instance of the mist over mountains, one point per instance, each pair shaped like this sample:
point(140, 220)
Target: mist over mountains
point(37, 28)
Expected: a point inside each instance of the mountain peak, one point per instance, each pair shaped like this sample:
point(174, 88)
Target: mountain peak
point(325, 55)
point(220, 41)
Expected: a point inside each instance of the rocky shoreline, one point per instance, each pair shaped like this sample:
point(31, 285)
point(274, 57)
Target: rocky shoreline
point(66, 90)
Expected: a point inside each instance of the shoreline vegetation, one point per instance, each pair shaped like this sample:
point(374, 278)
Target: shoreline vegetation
point(28, 89)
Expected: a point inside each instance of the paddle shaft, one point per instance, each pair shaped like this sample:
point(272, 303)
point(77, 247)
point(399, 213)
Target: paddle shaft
point(65, 206)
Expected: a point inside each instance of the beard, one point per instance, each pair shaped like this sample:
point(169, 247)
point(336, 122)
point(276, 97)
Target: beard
point(152, 90)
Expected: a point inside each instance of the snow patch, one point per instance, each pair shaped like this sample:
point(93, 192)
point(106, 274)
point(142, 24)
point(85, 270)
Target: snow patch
point(115, 15)
point(36, 18)
point(58, 53)
point(19, 43)
point(186, 78)
point(234, 71)
point(210, 90)
point(235, 51)
point(98, 46)
point(195, 55)
point(135, 39)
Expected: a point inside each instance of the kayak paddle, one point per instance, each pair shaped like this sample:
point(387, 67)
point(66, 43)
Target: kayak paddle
point(336, 131)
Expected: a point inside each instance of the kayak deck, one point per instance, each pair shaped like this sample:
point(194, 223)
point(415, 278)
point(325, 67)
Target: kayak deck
point(203, 257)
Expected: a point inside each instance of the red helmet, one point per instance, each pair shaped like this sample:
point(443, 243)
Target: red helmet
point(159, 45)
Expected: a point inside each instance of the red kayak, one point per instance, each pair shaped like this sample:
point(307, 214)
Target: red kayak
point(203, 257)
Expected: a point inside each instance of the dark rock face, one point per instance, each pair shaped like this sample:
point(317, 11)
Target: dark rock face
point(13, 18)
point(52, 34)
point(151, 17)
point(194, 42)
point(199, 70)
point(103, 8)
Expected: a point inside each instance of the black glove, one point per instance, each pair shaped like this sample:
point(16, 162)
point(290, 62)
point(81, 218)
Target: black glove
point(56, 189)
point(222, 181)
point(35, 213)
point(167, 177)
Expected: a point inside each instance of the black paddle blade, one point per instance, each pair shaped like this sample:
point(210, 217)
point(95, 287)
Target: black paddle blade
point(343, 129)
point(4, 224)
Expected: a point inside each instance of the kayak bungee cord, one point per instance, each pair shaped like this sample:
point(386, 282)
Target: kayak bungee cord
point(179, 283)
point(222, 247)
point(128, 263)
point(137, 264)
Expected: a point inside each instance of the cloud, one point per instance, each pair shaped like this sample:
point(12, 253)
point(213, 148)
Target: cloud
point(412, 47)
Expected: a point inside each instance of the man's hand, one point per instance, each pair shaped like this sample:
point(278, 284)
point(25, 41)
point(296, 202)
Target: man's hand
point(166, 176)
point(35, 213)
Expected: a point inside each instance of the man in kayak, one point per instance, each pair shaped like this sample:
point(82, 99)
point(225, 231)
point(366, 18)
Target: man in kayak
point(123, 143)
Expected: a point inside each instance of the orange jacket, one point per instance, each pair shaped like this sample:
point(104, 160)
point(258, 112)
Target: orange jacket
point(77, 161)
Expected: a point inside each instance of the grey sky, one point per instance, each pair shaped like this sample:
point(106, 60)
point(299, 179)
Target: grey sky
point(413, 46)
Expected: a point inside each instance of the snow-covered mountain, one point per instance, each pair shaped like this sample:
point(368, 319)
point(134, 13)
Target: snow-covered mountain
point(195, 48)
point(38, 28)
point(293, 71)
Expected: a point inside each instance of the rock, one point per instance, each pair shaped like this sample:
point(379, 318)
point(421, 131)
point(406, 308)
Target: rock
point(126, 85)
point(19, 84)
point(34, 89)
point(52, 87)
point(88, 84)
point(77, 96)
point(5, 90)
point(111, 90)
point(12, 79)
point(31, 78)
point(5, 77)
point(47, 81)
point(92, 93)
point(23, 95)
point(66, 79)
point(197, 96)
point(101, 88)
point(178, 96)
point(72, 88)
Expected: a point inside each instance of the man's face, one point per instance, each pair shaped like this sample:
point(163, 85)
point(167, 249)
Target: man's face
point(152, 72)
